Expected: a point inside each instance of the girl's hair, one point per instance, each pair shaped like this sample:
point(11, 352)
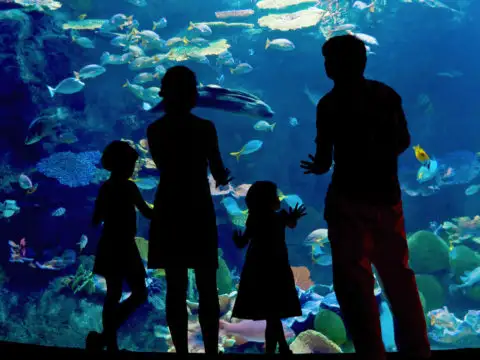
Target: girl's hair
point(119, 156)
point(261, 196)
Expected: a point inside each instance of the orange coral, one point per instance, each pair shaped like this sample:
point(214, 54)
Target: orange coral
point(301, 275)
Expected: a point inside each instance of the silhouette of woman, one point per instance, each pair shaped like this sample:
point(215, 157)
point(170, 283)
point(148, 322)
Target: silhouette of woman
point(183, 232)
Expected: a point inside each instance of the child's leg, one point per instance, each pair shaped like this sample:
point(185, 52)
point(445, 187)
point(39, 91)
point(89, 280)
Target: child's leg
point(271, 336)
point(114, 293)
point(136, 283)
point(176, 307)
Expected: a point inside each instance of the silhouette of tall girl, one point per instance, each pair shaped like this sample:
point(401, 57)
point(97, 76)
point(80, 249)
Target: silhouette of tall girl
point(183, 233)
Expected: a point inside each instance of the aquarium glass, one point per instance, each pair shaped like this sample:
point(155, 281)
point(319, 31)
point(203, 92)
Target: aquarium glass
point(78, 74)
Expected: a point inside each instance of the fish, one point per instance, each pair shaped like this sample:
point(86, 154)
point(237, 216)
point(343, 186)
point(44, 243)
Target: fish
point(46, 125)
point(263, 125)
point(67, 86)
point(201, 28)
point(230, 100)
point(139, 3)
point(83, 42)
point(280, 44)
point(145, 77)
point(82, 16)
point(421, 155)
point(242, 68)
point(360, 5)
point(292, 200)
point(365, 38)
point(472, 189)
point(249, 148)
point(26, 184)
point(89, 72)
point(469, 279)
point(293, 121)
point(59, 212)
point(318, 236)
point(160, 24)
point(83, 242)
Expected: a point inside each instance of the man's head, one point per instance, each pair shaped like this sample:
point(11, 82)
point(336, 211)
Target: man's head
point(345, 58)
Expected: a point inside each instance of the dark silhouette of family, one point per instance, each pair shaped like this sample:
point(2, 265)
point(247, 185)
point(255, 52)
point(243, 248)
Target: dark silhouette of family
point(361, 131)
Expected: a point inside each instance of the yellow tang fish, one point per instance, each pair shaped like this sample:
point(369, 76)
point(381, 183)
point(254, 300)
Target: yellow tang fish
point(82, 17)
point(420, 154)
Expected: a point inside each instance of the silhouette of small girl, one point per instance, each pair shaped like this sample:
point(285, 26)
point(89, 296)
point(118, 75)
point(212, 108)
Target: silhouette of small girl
point(267, 286)
point(118, 258)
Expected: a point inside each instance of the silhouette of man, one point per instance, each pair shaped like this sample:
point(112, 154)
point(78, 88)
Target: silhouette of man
point(183, 232)
point(362, 124)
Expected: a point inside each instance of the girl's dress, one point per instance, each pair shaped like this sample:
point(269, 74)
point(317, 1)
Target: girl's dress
point(267, 286)
point(117, 253)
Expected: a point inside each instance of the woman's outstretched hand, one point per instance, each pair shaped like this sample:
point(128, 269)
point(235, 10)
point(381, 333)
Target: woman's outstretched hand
point(310, 166)
point(297, 212)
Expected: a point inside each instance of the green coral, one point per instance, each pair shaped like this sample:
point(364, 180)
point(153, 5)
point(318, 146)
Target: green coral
point(331, 325)
point(224, 276)
point(428, 253)
point(463, 259)
point(83, 280)
point(432, 291)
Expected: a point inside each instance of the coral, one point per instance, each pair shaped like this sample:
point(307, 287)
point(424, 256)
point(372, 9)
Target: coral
point(428, 253)
point(71, 169)
point(302, 277)
point(313, 342)
point(297, 20)
point(224, 276)
point(331, 325)
point(463, 259)
point(434, 295)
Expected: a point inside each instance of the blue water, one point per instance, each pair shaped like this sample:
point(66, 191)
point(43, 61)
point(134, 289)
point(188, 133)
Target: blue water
point(424, 53)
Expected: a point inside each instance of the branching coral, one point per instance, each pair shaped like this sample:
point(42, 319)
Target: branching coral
point(71, 169)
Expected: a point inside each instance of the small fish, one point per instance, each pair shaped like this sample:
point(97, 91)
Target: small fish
point(360, 5)
point(26, 184)
point(160, 24)
point(82, 16)
point(67, 86)
point(89, 72)
point(59, 212)
point(263, 125)
point(83, 242)
point(250, 147)
point(421, 155)
point(280, 44)
point(251, 52)
point(145, 77)
point(293, 121)
point(139, 3)
point(365, 38)
point(472, 189)
point(242, 68)
point(202, 28)
point(68, 138)
point(83, 42)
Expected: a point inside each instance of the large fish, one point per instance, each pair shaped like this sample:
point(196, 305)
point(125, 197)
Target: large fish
point(234, 101)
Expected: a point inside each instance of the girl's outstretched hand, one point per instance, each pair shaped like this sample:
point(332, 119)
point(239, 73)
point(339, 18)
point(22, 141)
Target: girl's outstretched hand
point(227, 180)
point(297, 212)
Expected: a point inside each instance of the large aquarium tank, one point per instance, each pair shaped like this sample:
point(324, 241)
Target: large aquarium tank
point(78, 74)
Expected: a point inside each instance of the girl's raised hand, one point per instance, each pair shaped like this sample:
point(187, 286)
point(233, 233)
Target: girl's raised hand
point(298, 211)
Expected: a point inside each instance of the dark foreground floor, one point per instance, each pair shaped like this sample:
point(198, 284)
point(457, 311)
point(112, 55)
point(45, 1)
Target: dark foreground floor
point(10, 351)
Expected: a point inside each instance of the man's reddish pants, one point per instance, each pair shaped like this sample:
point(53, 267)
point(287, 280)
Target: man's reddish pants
point(361, 235)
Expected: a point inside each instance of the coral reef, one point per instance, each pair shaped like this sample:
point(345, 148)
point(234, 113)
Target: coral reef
point(428, 253)
point(71, 169)
point(224, 276)
point(331, 325)
point(313, 342)
point(432, 291)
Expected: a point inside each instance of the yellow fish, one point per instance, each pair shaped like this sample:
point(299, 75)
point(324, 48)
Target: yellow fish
point(82, 17)
point(420, 154)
